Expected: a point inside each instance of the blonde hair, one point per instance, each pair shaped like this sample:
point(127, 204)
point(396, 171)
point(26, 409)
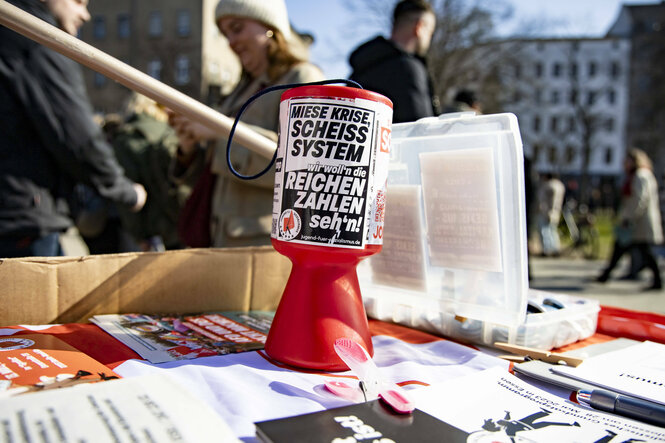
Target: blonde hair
point(140, 104)
point(283, 54)
point(639, 158)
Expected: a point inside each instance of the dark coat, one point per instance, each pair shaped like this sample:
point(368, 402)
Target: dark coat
point(48, 139)
point(146, 147)
point(380, 66)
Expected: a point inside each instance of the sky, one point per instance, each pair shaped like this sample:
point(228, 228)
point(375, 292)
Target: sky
point(335, 37)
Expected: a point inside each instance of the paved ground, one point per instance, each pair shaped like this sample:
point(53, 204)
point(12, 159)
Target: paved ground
point(575, 276)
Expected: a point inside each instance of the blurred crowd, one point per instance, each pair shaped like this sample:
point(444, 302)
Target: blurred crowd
point(638, 225)
point(150, 179)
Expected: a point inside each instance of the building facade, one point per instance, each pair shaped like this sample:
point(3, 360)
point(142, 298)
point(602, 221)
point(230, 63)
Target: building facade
point(174, 41)
point(644, 26)
point(571, 99)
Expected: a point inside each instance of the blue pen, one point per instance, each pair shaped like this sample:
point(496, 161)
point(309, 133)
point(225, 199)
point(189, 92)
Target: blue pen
point(631, 407)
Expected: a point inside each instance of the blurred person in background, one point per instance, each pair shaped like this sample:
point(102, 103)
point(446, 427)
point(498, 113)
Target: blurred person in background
point(396, 67)
point(49, 140)
point(145, 146)
point(465, 101)
point(639, 222)
point(223, 210)
point(550, 201)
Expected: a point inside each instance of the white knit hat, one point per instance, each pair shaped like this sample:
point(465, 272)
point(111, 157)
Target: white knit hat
point(269, 12)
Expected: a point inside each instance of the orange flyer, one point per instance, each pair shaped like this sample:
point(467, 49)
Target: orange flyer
point(26, 358)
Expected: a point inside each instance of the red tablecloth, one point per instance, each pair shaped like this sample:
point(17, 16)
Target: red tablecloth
point(612, 322)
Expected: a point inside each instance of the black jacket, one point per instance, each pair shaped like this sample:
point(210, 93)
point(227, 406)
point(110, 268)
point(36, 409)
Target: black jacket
point(380, 66)
point(48, 139)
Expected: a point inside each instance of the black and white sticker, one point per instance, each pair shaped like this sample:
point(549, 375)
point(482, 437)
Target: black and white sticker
point(333, 160)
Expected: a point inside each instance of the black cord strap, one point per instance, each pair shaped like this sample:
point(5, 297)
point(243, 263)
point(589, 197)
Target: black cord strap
point(259, 94)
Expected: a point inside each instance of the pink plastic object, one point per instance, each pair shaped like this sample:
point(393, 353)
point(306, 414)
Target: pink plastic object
point(396, 397)
point(359, 361)
point(344, 390)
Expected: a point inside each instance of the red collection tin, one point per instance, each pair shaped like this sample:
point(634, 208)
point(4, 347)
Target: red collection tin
point(328, 211)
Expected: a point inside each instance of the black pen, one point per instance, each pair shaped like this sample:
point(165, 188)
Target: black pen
point(631, 407)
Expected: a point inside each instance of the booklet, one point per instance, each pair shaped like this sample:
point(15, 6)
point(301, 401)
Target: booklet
point(371, 421)
point(496, 406)
point(145, 409)
point(36, 362)
point(637, 370)
point(162, 338)
point(542, 371)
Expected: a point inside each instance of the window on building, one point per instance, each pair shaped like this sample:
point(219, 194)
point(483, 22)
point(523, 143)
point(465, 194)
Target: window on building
point(182, 70)
point(609, 124)
point(572, 70)
point(155, 69)
point(591, 98)
point(552, 155)
point(538, 96)
point(555, 97)
point(592, 69)
point(570, 154)
point(99, 27)
point(611, 96)
point(574, 93)
point(556, 70)
point(155, 24)
point(609, 155)
point(536, 123)
point(572, 124)
point(99, 80)
point(539, 70)
point(124, 28)
point(183, 23)
point(615, 69)
point(554, 124)
point(537, 152)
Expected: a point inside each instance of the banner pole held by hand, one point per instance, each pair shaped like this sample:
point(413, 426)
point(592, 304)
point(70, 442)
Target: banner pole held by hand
point(54, 38)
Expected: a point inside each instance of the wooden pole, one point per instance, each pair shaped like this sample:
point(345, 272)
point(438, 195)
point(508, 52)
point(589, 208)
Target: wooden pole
point(54, 38)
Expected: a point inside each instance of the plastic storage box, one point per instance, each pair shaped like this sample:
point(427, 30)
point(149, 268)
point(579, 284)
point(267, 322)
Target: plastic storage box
point(454, 258)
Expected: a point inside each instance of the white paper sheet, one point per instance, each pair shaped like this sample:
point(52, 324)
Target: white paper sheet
point(495, 406)
point(246, 388)
point(141, 409)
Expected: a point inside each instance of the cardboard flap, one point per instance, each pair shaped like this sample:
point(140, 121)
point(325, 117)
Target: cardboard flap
point(38, 290)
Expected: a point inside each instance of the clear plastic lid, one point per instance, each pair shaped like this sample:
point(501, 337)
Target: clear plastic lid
point(455, 239)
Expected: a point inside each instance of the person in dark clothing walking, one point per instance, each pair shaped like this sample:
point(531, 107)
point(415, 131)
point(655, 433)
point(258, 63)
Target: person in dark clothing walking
point(396, 67)
point(48, 138)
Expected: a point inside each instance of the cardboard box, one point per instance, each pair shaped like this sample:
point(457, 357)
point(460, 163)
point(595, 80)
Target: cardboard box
point(41, 290)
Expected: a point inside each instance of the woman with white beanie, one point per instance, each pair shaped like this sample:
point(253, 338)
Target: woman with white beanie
point(240, 212)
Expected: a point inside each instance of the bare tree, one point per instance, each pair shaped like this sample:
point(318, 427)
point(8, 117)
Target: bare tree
point(462, 29)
